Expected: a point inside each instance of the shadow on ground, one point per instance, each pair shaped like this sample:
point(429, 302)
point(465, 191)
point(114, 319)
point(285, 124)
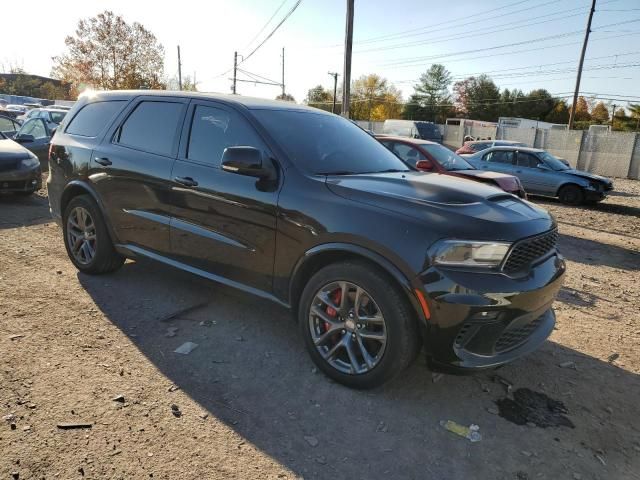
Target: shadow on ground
point(605, 254)
point(250, 371)
point(24, 211)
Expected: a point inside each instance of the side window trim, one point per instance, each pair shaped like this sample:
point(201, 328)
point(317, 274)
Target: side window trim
point(114, 134)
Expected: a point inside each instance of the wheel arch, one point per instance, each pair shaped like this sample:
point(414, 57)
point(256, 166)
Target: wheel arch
point(566, 184)
point(322, 255)
point(78, 187)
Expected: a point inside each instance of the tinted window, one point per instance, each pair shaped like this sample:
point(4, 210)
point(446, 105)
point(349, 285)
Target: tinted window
point(322, 143)
point(34, 127)
point(152, 127)
point(408, 154)
point(92, 118)
point(213, 130)
point(527, 160)
point(499, 156)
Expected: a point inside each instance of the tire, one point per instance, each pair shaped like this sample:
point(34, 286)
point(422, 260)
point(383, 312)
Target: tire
point(571, 195)
point(105, 259)
point(377, 294)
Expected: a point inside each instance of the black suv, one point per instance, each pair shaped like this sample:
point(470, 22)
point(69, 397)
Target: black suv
point(304, 208)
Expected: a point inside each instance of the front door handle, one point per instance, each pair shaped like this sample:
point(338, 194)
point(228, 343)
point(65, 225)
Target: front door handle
point(186, 181)
point(104, 161)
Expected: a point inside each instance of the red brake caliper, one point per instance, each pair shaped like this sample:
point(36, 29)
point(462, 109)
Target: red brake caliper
point(332, 312)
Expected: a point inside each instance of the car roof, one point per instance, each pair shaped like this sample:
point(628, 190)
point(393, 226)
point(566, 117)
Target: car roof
point(60, 110)
point(251, 103)
point(520, 149)
point(415, 141)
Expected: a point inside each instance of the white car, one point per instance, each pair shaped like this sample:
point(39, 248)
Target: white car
point(53, 116)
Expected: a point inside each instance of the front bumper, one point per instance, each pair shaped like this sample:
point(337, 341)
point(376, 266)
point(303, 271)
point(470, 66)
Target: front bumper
point(21, 180)
point(483, 320)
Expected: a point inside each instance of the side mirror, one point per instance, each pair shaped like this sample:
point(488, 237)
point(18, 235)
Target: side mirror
point(244, 161)
point(22, 138)
point(424, 165)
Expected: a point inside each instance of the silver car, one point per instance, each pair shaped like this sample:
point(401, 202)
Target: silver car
point(543, 174)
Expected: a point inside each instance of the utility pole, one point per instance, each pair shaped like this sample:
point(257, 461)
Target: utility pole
point(572, 114)
point(613, 114)
point(283, 73)
point(195, 84)
point(348, 44)
point(235, 67)
point(179, 70)
point(335, 89)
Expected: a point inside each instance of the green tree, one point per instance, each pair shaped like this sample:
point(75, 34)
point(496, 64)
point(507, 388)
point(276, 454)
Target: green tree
point(319, 97)
point(478, 98)
point(106, 52)
point(536, 105)
point(431, 99)
point(600, 113)
point(634, 108)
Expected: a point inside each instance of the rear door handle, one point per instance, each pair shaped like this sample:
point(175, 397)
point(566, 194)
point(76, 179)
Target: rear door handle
point(104, 161)
point(186, 181)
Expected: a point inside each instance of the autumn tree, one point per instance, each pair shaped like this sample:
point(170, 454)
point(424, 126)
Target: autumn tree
point(287, 97)
point(373, 98)
point(431, 99)
point(559, 113)
point(634, 108)
point(173, 83)
point(106, 52)
point(582, 110)
point(600, 113)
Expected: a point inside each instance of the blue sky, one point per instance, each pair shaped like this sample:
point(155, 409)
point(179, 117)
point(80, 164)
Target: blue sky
point(416, 33)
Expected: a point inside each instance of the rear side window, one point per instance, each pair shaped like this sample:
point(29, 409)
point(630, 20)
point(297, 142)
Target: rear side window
point(152, 127)
point(213, 130)
point(92, 118)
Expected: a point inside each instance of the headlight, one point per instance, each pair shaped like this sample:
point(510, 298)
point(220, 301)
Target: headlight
point(469, 253)
point(30, 162)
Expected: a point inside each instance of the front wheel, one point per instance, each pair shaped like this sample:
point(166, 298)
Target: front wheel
point(571, 195)
point(358, 327)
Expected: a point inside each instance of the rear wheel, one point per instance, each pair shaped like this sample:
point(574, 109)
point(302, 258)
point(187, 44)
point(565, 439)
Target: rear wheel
point(571, 195)
point(358, 328)
point(87, 239)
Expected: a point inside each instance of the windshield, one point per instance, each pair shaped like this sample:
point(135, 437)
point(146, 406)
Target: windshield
point(552, 162)
point(428, 129)
point(445, 157)
point(57, 117)
point(326, 144)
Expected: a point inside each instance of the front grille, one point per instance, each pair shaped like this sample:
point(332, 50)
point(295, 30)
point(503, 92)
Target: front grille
point(515, 336)
point(7, 166)
point(526, 251)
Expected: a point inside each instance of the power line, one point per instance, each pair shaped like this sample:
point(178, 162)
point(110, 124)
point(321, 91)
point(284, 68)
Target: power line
point(265, 25)
point(289, 13)
point(471, 33)
point(497, 47)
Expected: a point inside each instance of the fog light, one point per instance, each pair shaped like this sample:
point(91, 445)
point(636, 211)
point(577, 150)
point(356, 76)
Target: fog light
point(490, 315)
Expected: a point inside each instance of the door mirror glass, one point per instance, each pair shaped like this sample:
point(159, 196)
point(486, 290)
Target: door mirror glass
point(424, 165)
point(243, 161)
point(24, 138)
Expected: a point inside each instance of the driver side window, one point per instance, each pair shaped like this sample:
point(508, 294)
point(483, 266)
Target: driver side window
point(34, 127)
point(499, 156)
point(527, 160)
point(408, 154)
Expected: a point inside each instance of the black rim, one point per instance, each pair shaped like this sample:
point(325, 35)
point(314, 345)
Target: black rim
point(81, 235)
point(347, 327)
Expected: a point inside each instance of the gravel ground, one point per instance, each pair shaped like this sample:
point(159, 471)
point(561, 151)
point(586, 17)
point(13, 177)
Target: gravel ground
point(247, 402)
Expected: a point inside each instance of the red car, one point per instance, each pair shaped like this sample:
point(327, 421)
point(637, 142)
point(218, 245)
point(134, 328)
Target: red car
point(429, 156)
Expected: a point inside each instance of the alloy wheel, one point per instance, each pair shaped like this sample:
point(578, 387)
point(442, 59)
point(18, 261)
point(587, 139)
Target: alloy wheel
point(81, 235)
point(347, 327)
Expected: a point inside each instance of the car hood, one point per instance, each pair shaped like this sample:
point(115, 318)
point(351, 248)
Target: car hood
point(507, 182)
point(11, 151)
point(459, 207)
point(588, 176)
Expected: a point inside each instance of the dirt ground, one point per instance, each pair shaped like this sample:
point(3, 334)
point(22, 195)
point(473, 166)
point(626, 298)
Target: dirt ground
point(248, 402)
